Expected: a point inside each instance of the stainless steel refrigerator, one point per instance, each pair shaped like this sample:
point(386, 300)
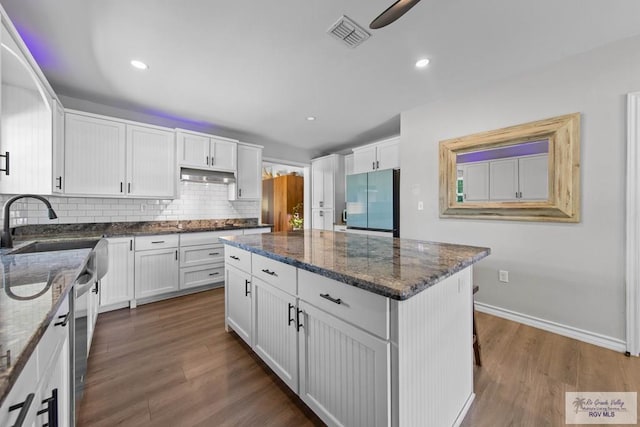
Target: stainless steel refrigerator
point(373, 201)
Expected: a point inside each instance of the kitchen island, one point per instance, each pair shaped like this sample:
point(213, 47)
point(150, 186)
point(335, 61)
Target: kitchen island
point(367, 330)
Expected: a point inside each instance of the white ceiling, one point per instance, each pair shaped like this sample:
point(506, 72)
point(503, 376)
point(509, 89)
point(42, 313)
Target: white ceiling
point(258, 68)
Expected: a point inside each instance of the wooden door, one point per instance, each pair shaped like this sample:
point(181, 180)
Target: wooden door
point(268, 208)
point(288, 191)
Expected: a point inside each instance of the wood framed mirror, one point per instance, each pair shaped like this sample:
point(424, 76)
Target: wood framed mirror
point(528, 172)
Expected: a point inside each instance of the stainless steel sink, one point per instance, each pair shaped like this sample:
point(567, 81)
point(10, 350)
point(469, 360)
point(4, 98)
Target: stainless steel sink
point(60, 245)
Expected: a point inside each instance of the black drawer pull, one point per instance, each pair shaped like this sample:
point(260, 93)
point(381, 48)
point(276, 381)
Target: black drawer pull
point(95, 289)
point(214, 274)
point(291, 319)
point(327, 296)
point(234, 257)
point(298, 324)
point(23, 412)
point(64, 322)
point(247, 291)
point(158, 241)
point(214, 253)
point(269, 272)
point(51, 409)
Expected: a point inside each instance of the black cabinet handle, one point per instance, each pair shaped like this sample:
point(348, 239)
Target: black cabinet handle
point(327, 296)
point(207, 160)
point(24, 409)
point(247, 291)
point(234, 257)
point(214, 253)
point(131, 245)
point(64, 322)
point(121, 186)
point(59, 184)
point(51, 409)
point(158, 241)
point(214, 274)
point(176, 254)
point(95, 289)
point(291, 319)
point(270, 273)
point(373, 165)
point(239, 192)
point(298, 324)
point(377, 164)
point(129, 188)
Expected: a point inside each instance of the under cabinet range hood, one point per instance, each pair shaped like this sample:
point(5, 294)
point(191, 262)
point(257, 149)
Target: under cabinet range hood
point(207, 176)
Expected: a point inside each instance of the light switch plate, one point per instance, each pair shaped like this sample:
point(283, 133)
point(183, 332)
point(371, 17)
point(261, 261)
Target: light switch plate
point(420, 206)
point(503, 276)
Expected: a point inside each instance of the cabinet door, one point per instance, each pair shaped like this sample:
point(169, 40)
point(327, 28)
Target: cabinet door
point(117, 285)
point(238, 302)
point(156, 272)
point(322, 219)
point(503, 179)
point(348, 164)
point(58, 148)
point(364, 159)
point(223, 155)
point(56, 392)
point(328, 186)
point(94, 156)
point(275, 338)
point(344, 371)
point(193, 150)
point(26, 131)
point(534, 177)
point(249, 176)
point(475, 182)
point(317, 183)
point(92, 313)
point(388, 155)
point(151, 167)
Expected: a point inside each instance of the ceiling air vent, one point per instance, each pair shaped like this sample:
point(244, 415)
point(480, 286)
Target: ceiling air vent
point(348, 32)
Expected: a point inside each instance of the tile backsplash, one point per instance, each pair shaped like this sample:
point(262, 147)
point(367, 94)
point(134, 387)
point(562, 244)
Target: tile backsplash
point(196, 201)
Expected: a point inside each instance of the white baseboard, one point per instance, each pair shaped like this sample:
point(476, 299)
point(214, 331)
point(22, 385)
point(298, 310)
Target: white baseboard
point(465, 409)
point(557, 328)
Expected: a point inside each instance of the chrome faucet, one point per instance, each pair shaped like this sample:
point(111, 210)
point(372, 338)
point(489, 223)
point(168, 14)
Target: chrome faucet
point(6, 241)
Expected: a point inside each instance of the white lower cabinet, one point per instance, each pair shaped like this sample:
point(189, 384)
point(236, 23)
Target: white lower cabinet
point(116, 287)
point(156, 270)
point(344, 371)
point(275, 335)
point(44, 385)
point(238, 301)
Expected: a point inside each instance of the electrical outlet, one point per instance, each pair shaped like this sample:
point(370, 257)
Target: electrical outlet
point(503, 276)
point(420, 206)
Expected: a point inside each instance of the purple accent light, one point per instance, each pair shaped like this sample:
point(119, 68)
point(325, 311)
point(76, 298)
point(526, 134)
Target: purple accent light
point(517, 150)
point(179, 121)
point(39, 48)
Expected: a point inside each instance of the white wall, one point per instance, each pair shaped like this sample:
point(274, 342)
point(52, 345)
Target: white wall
point(572, 274)
point(197, 201)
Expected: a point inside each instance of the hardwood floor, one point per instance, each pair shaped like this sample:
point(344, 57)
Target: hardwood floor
point(172, 364)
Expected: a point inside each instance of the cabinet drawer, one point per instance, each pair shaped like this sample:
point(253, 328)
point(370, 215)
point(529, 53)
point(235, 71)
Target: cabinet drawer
point(54, 337)
point(237, 257)
point(206, 238)
point(163, 241)
point(278, 274)
point(204, 254)
point(201, 275)
point(357, 306)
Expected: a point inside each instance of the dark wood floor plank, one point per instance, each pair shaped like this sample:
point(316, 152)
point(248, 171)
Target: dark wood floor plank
point(172, 364)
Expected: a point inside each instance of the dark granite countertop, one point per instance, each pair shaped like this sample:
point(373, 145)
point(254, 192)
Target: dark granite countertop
point(33, 287)
point(122, 229)
point(392, 267)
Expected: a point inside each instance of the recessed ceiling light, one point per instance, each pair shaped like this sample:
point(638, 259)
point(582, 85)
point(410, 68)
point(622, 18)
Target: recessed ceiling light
point(139, 64)
point(422, 63)
point(311, 118)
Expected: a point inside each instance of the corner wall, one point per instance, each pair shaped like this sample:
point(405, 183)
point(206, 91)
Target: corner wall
point(570, 274)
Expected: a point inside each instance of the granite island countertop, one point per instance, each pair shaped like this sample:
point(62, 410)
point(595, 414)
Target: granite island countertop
point(34, 286)
point(393, 267)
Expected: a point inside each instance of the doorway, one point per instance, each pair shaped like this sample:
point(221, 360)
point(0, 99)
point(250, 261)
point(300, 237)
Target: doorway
point(283, 195)
point(633, 224)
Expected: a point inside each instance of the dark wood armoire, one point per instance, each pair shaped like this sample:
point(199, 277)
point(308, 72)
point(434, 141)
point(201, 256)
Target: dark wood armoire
point(279, 196)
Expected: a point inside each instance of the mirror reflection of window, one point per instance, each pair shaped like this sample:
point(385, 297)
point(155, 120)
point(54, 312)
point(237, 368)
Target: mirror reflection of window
point(512, 173)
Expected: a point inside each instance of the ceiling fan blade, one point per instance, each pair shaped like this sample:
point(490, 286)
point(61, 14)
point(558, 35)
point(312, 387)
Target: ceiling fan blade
point(394, 12)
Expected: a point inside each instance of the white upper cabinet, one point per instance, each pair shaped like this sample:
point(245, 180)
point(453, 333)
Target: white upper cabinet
point(201, 151)
point(94, 156)
point(378, 156)
point(533, 177)
point(26, 129)
point(248, 179)
point(150, 154)
point(111, 157)
point(58, 148)
point(327, 182)
point(503, 176)
point(475, 178)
